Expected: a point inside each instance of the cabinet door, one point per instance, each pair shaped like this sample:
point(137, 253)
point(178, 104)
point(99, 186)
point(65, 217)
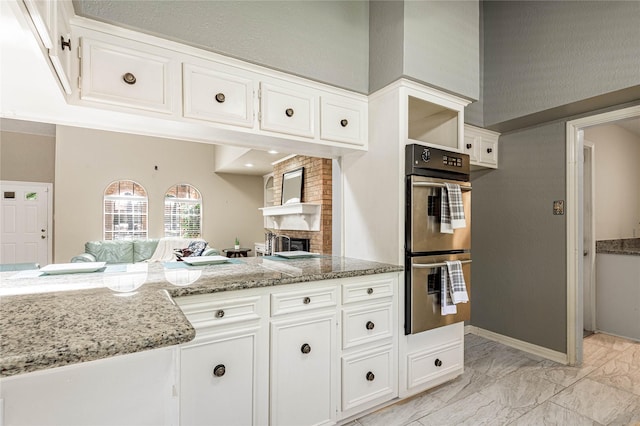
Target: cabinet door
point(42, 13)
point(213, 95)
point(472, 146)
point(218, 380)
point(60, 52)
point(125, 73)
point(342, 121)
point(303, 370)
point(489, 153)
point(285, 110)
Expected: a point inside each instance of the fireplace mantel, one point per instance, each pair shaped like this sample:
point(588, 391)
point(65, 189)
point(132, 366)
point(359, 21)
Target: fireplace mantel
point(294, 216)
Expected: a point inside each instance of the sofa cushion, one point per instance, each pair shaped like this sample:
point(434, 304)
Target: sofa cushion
point(144, 249)
point(196, 248)
point(117, 251)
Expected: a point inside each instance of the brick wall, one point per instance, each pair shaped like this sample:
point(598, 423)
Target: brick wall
point(317, 183)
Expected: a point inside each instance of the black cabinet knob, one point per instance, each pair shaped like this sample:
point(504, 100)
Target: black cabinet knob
point(220, 313)
point(469, 146)
point(289, 112)
point(370, 325)
point(220, 98)
point(438, 363)
point(219, 370)
point(129, 78)
point(305, 349)
point(369, 291)
point(344, 122)
point(370, 376)
point(66, 44)
point(489, 150)
point(306, 300)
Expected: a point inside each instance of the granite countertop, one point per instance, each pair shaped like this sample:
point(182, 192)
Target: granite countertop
point(53, 320)
point(630, 246)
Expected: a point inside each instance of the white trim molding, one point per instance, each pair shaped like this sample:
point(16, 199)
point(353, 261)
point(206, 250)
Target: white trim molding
point(518, 344)
point(574, 233)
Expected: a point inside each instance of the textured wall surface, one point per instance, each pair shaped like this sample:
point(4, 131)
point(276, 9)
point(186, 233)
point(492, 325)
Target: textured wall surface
point(519, 246)
point(25, 157)
point(386, 43)
point(441, 45)
point(544, 54)
point(324, 41)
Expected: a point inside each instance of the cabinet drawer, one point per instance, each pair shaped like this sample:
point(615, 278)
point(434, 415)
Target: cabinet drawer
point(428, 365)
point(369, 289)
point(367, 377)
point(303, 300)
point(489, 152)
point(203, 312)
point(287, 111)
point(342, 122)
point(125, 76)
point(366, 324)
point(213, 95)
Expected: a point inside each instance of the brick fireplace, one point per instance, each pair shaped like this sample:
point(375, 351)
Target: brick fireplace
point(317, 183)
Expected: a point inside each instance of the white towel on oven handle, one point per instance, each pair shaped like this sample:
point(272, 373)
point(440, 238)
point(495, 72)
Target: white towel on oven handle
point(456, 284)
point(451, 209)
point(446, 304)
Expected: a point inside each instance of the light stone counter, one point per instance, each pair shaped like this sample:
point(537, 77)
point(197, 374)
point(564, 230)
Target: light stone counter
point(628, 246)
point(53, 320)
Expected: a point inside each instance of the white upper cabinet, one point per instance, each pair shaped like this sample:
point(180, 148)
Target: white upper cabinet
point(218, 94)
point(482, 146)
point(51, 20)
point(343, 121)
point(122, 72)
point(288, 110)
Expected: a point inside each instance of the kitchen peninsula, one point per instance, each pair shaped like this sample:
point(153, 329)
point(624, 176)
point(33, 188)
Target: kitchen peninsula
point(118, 315)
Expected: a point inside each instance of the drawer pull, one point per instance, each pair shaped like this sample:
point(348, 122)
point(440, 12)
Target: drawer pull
point(489, 150)
point(220, 98)
point(344, 122)
point(305, 349)
point(220, 313)
point(65, 43)
point(219, 370)
point(370, 376)
point(469, 146)
point(438, 363)
point(306, 300)
point(289, 112)
point(369, 291)
point(370, 325)
point(129, 78)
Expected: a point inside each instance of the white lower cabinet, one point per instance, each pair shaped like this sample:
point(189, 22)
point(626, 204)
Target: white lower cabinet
point(218, 379)
point(303, 354)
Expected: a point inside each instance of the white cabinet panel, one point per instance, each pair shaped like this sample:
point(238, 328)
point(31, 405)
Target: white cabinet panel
point(214, 95)
point(427, 365)
point(368, 289)
point(366, 378)
point(287, 110)
point(218, 380)
point(366, 323)
point(125, 73)
point(342, 121)
point(489, 152)
point(302, 370)
point(471, 146)
point(303, 300)
point(209, 311)
point(43, 15)
point(482, 147)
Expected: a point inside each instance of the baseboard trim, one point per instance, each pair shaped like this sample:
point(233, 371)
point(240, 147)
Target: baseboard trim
point(518, 344)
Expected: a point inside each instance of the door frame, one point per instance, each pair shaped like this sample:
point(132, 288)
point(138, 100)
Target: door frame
point(48, 188)
point(591, 226)
point(574, 235)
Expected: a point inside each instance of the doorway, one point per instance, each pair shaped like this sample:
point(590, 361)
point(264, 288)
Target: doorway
point(26, 216)
point(575, 224)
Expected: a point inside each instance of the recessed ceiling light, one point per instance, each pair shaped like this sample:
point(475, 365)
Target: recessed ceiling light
point(272, 151)
point(248, 165)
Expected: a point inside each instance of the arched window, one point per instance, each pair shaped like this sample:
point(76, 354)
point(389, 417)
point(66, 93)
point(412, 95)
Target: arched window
point(183, 212)
point(125, 211)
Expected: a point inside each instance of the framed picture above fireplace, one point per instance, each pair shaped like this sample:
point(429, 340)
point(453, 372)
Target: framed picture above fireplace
point(292, 184)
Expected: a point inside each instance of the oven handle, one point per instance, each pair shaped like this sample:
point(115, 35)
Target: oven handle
point(438, 185)
point(435, 265)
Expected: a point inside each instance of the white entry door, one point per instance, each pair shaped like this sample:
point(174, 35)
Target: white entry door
point(25, 220)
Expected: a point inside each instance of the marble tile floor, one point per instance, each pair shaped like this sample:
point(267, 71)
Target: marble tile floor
point(505, 386)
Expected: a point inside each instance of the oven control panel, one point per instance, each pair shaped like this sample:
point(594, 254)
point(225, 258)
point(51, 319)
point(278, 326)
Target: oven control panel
point(427, 161)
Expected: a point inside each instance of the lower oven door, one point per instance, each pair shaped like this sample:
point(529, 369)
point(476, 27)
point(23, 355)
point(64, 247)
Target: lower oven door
point(423, 305)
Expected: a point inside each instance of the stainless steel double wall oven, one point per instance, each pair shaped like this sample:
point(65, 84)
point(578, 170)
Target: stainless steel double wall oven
point(426, 248)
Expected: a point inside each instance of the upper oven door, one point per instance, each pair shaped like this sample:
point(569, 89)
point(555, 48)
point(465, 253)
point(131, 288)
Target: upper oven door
point(423, 217)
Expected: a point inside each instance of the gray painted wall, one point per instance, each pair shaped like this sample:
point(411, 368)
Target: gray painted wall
point(386, 41)
point(544, 54)
point(324, 41)
point(519, 246)
point(441, 45)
